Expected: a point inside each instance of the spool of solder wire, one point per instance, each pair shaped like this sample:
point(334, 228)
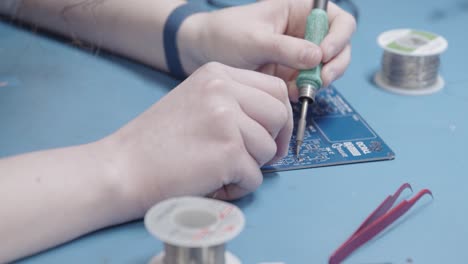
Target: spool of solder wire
point(410, 62)
point(194, 230)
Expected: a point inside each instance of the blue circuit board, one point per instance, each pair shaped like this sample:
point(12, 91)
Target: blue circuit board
point(336, 134)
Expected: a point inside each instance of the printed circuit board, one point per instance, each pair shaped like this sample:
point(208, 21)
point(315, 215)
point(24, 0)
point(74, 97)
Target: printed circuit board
point(336, 134)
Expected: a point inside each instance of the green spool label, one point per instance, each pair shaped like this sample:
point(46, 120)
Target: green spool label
point(412, 42)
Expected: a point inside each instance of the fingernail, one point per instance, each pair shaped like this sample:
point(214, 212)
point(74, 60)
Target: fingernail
point(308, 56)
point(293, 92)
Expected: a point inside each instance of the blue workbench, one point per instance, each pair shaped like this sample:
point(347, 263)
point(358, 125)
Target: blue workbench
point(60, 95)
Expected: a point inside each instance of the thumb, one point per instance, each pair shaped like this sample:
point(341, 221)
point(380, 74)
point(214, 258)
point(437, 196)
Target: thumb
point(229, 192)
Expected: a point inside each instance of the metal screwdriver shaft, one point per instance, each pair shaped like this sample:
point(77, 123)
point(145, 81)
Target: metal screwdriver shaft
point(309, 81)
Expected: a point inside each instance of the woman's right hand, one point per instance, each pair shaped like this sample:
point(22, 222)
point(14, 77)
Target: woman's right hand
point(211, 134)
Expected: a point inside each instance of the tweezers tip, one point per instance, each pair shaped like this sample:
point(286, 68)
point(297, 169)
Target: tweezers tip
point(425, 191)
point(406, 185)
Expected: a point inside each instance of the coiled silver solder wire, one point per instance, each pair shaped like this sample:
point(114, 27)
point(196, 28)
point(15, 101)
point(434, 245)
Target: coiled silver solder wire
point(184, 255)
point(410, 72)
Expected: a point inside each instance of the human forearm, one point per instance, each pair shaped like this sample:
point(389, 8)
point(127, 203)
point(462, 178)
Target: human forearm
point(49, 197)
point(53, 196)
point(130, 28)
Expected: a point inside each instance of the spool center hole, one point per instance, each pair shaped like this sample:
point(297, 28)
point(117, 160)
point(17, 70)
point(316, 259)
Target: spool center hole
point(195, 219)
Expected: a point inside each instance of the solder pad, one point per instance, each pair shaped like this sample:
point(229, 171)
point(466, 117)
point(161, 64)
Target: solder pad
point(336, 134)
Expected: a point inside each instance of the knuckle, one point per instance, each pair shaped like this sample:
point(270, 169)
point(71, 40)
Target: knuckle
point(212, 67)
point(267, 43)
point(221, 113)
point(276, 47)
point(213, 86)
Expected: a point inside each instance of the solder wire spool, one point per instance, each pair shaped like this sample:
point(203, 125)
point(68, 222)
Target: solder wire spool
point(410, 62)
point(194, 230)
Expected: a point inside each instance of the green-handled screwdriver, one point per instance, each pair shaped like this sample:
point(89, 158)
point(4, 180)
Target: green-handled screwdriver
point(308, 81)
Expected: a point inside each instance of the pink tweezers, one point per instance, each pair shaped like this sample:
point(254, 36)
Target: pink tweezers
point(376, 222)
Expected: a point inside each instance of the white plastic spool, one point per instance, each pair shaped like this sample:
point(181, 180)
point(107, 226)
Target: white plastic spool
point(194, 222)
point(410, 42)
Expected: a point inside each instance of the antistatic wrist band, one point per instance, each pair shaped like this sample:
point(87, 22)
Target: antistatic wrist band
point(176, 18)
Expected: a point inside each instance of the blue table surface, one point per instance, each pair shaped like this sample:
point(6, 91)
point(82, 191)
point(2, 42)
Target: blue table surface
point(61, 95)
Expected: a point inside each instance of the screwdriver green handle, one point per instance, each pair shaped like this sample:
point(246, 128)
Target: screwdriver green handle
point(316, 30)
